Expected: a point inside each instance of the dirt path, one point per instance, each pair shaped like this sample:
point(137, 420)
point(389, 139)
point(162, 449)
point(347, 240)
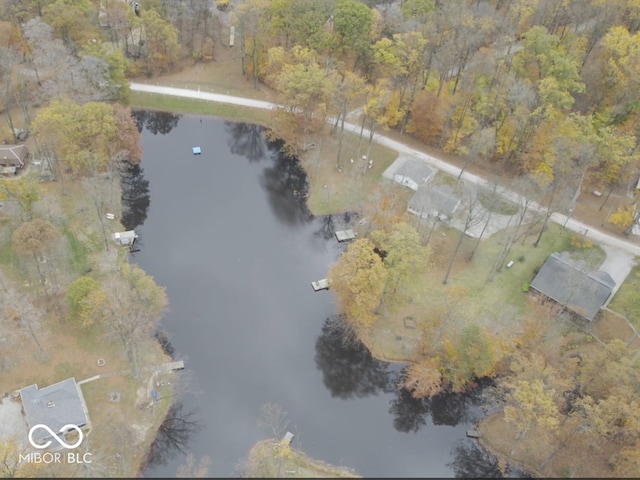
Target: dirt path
point(570, 223)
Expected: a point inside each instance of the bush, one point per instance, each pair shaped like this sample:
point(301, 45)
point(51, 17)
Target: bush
point(521, 258)
point(525, 287)
point(222, 4)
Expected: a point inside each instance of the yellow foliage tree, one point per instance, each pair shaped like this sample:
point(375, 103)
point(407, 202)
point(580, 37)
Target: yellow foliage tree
point(623, 217)
point(358, 279)
point(531, 403)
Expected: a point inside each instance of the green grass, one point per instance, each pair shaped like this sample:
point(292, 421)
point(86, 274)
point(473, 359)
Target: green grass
point(79, 252)
point(7, 255)
point(200, 107)
point(627, 301)
point(494, 203)
point(485, 298)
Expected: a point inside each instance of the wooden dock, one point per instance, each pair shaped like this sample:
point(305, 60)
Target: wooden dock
point(167, 367)
point(344, 235)
point(473, 434)
point(286, 440)
point(320, 285)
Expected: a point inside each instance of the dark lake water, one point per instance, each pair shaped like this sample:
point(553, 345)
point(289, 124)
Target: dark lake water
point(229, 236)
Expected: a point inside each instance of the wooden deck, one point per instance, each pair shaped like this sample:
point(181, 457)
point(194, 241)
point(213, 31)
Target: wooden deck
point(167, 367)
point(344, 235)
point(320, 285)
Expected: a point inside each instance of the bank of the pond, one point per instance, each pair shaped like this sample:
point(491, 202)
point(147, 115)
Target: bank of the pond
point(272, 458)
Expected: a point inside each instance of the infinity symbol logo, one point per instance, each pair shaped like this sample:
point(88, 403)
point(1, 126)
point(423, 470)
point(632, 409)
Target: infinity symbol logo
point(55, 436)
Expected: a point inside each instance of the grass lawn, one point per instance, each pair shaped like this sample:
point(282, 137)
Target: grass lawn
point(199, 107)
point(627, 301)
point(499, 304)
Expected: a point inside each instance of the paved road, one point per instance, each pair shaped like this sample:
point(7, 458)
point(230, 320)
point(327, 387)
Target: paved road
point(572, 224)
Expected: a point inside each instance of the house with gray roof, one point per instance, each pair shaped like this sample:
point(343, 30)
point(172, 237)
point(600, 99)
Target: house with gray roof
point(13, 155)
point(56, 406)
point(413, 173)
point(584, 293)
point(435, 201)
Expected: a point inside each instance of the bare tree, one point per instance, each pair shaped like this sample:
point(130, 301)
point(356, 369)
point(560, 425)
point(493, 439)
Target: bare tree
point(474, 215)
point(274, 418)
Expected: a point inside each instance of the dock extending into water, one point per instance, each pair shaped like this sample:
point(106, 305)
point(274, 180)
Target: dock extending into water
point(320, 285)
point(344, 235)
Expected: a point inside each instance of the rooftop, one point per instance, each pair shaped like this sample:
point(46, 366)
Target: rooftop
point(581, 292)
point(55, 406)
point(416, 170)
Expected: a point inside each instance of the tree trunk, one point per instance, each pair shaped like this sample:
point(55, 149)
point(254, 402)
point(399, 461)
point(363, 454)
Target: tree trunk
point(453, 257)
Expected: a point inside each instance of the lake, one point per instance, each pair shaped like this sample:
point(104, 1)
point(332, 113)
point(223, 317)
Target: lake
point(227, 232)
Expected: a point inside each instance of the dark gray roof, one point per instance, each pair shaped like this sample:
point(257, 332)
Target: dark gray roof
point(431, 199)
point(581, 292)
point(55, 406)
point(13, 155)
point(416, 170)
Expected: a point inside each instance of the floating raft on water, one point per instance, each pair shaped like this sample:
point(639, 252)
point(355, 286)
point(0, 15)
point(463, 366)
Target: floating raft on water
point(344, 235)
point(320, 285)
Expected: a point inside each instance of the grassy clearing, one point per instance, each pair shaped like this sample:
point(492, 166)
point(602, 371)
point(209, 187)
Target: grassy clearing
point(499, 304)
point(79, 252)
point(269, 458)
point(333, 191)
point(627, 301)
point(199, 107)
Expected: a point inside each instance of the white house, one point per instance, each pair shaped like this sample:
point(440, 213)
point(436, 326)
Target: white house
point(413, 173)
point(437, 201)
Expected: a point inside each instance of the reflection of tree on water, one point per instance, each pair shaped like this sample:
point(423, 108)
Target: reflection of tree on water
point(135, 196)
point(330, 223)
point(470, 460)
point(246, 139)
point(349, 370)
point(287, 186)
point(409, 413)
point(155, 121)
point(173, 436)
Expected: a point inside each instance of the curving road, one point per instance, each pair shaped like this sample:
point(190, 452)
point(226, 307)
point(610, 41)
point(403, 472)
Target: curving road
point(572, 224)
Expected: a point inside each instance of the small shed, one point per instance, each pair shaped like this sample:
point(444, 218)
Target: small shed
point(436, 201)
point(13, 155)
point(413, 173)
point(56, 406)
point(125, 238)
point(345, 235)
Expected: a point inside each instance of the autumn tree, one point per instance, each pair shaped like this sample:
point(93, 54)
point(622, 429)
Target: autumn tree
point(251, 20)
point(623, 217)
point(405, 253)
point(423, 379)
point(24, 191)
point(531, 403)
point(71, 21)
point(358, 279)
point(471, 355)
point(78, 299)
point(129, 310)
point(304, 83)
point(159, 51)
point(401, 59)
point(352, 21)
point(348, 89)
point(36, 239)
